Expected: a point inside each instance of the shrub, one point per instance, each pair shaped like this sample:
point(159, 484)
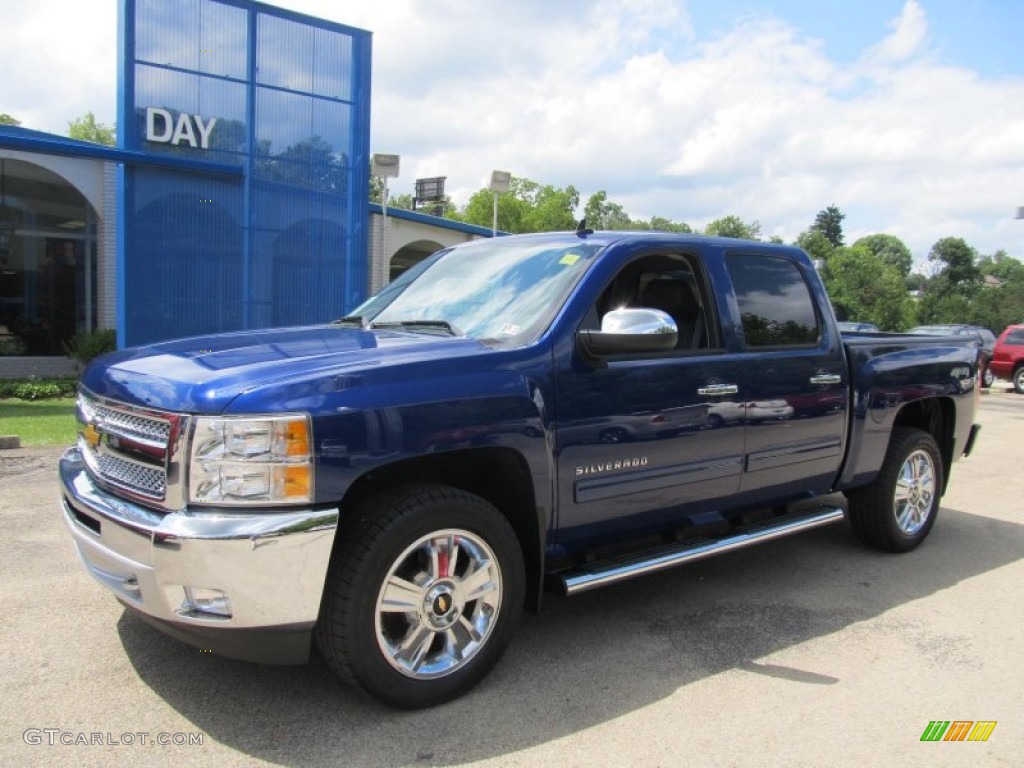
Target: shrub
point(38, 389)
point(87, 345)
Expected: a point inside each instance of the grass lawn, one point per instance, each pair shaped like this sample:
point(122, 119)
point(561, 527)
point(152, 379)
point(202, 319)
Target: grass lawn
point(39, 422)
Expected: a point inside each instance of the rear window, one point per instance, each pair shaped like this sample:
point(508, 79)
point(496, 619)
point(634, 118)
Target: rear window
point(775, 303)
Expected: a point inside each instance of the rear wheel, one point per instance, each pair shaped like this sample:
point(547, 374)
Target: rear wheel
point(423, 596)
point(987, 377)
point(1018, 380)
point(898, 509)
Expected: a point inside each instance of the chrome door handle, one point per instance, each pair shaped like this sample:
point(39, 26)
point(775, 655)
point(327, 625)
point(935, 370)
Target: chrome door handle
point(827, 378)
point(711, 390)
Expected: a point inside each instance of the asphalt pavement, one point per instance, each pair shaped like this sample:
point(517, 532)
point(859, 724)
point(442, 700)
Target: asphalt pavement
point(807, 651)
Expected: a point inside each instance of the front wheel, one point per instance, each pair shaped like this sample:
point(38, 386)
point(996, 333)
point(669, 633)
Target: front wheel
point(898, 509)
point(423, 596)
point(1018, 380)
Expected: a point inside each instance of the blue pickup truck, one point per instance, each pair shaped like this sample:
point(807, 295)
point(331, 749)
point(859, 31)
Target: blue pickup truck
point(513, 415)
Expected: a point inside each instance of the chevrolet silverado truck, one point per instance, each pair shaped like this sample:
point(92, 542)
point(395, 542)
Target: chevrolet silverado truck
point(512, 415)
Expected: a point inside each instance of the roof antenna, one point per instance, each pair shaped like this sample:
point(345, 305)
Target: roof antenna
point(581, 229)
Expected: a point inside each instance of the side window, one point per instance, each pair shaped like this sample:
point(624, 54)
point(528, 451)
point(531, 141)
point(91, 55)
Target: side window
point(1015, 337)
point(666, 282)
point(775, 304)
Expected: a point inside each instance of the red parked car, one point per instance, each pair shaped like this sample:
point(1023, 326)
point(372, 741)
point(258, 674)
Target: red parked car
point(1008, 356)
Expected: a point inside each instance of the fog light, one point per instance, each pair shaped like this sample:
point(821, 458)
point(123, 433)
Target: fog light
point(209, 601)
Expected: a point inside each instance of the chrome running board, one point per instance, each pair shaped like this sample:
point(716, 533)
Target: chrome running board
point(603, 573)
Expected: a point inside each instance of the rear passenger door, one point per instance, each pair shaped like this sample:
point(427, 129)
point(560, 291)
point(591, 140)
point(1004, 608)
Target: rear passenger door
point(795, 387)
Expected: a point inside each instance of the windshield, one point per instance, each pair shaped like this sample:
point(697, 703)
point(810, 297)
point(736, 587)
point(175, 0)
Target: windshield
point(499, 291)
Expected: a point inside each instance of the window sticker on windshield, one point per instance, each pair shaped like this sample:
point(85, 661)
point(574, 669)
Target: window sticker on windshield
point(569, 259)
point(510, 329)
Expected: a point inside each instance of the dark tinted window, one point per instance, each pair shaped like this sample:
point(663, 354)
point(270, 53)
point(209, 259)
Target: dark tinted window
point(775, 303)
point(1015, 337)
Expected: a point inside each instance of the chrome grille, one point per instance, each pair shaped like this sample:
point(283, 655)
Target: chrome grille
point(149, 481)
point(132, 425)
point(132, 450)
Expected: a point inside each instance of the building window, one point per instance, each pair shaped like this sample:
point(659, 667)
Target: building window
point(47, 262)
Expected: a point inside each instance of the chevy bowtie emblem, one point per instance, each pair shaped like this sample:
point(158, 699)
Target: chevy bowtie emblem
point(442, 604)
point(91, 435)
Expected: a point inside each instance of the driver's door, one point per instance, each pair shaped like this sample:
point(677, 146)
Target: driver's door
point(642, 440)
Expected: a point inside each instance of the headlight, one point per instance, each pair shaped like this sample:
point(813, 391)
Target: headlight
point(255, 460)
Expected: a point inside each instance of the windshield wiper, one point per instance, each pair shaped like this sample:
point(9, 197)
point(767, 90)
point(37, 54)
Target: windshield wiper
point(419, 325)
point(353, 320)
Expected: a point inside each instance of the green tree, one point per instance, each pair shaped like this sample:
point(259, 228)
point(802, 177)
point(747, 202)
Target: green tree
point(889, 249)
point(403, 201)
point(479, 210)
point(830, 223)
point(600, 213)
point(553, 209)
point(957, 260)
point(377, 189)
point(865, 288)
point(6, 119)
point(951, 292)
point(86, 128)
point(1000, 304)
point(917, 282)
point(526, 207)
point(734, 226)
point(818, 246)
point(1001, 266)
point(943, 306)
point(666, 225)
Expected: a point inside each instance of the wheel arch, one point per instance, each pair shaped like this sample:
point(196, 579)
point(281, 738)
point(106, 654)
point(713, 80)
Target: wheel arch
point(937, 417)
point(501, 476)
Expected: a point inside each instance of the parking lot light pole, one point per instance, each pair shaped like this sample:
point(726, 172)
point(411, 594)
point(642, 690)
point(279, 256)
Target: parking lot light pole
point(500, 181)
point(384, 167)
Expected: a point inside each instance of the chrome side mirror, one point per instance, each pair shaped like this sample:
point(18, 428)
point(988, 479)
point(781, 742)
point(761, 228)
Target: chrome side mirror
point(630, 331)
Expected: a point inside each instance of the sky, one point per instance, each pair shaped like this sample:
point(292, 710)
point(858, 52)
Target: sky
point(906, 114)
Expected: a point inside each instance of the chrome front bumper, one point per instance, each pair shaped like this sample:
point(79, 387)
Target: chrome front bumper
point(271, 564)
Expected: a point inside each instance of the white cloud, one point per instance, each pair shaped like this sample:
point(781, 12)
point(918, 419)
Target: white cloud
point(909, 31)
point(59, 61)
point(628, 96)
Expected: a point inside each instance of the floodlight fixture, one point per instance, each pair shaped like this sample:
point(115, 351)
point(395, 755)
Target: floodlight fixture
point(500, 181)
point(385, 166)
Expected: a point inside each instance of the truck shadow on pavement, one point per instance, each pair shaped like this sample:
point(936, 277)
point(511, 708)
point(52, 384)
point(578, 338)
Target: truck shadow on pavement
point(584, 660)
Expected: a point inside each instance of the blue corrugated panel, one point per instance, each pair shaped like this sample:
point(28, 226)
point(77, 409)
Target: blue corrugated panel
point(283, 243)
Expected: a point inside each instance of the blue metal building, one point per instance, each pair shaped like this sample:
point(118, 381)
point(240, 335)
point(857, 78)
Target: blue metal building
point(257, 217)
point(236, 199)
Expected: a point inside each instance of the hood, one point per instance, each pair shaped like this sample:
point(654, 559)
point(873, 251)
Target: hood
point(204, 374)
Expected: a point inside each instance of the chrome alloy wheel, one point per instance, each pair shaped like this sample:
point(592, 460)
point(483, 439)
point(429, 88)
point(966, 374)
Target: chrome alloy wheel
point(915, 492)
point(438, 604)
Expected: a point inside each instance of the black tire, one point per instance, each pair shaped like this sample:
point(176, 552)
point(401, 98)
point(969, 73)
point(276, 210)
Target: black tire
point(426, 642)
point(897, 510)
point(987, 377)
point(1018, 380)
